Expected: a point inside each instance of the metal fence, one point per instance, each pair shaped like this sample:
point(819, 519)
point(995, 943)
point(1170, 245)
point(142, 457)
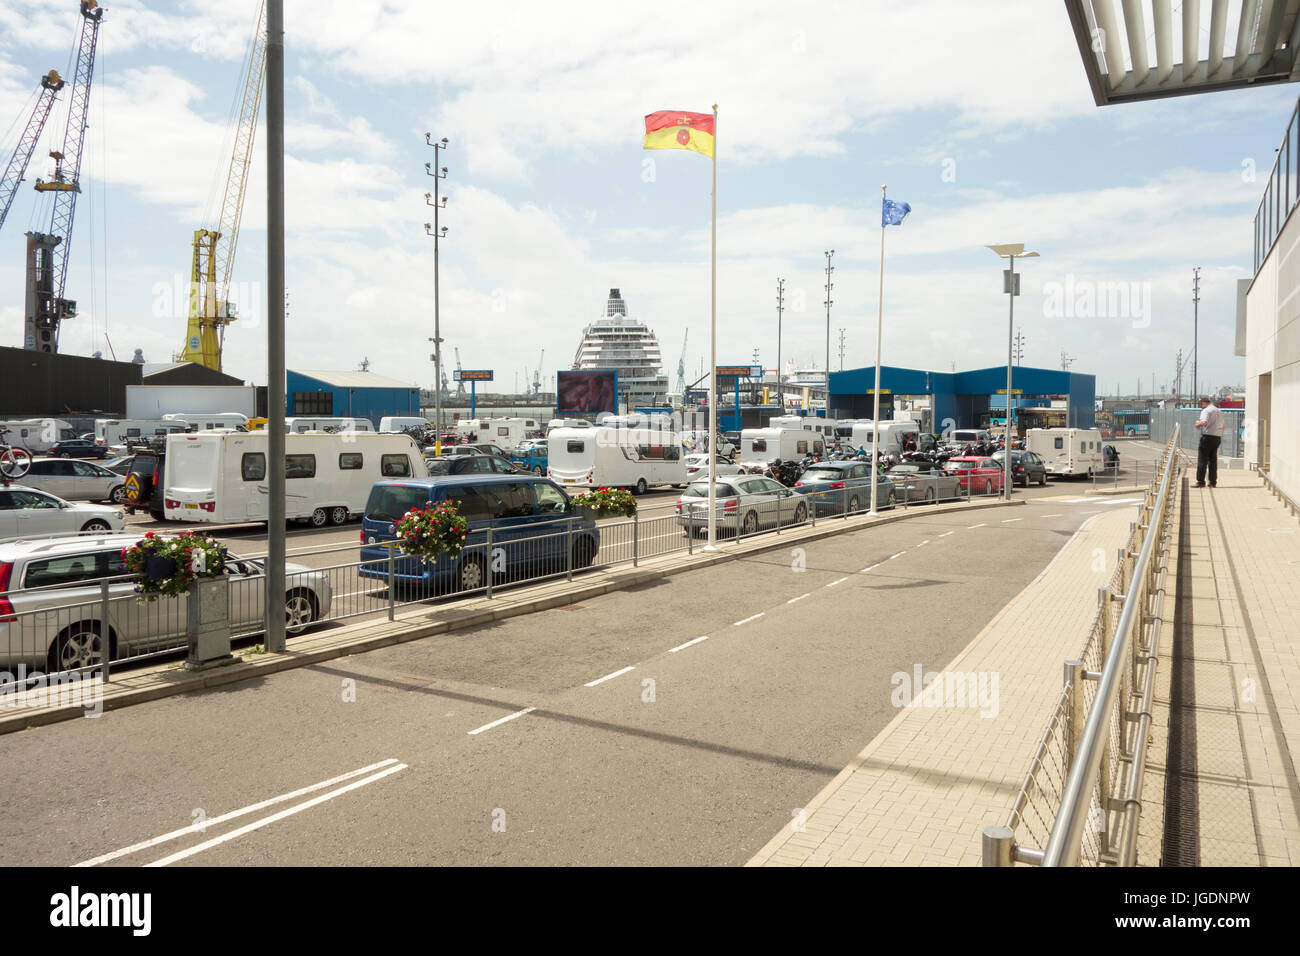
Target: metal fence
point(61, 623)
point(1079, 804)
point(1165, 420)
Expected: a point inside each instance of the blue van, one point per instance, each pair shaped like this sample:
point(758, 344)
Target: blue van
point(530, 519)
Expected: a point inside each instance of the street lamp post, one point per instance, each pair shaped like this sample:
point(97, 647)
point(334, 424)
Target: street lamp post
point(438, 173)
point(780, 307)
point(1011, 285)
point(829, 269)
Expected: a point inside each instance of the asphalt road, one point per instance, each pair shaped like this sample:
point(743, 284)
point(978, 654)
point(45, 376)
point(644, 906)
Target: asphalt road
point(680, 723)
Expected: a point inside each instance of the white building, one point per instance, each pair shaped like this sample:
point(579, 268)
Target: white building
point(629, 346)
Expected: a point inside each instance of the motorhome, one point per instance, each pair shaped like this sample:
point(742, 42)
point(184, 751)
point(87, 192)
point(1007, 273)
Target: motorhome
point(505, 433)
point(896, 435)
point(220, 476)
point(615, 457)
point(299, 426)
point(826, 427)
point(1067, 451)
point(207, 421)
point(36, 434)
point(118, 431)
point(762, 445)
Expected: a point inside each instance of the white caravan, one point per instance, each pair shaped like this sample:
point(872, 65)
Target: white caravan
point(395, 424)
point(1067, 451)
point(207, 421)
point(762, 445)
point(118, 431)
point(505, 433)
point(36, 434)
point(332, 426)
point(896, 435)
point(826, 427)
point(615, 457)
point(220, 476)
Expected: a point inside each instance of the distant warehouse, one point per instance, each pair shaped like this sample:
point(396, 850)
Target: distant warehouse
point(349, 395)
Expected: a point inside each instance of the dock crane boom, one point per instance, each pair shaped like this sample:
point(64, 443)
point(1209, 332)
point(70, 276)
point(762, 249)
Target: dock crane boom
point(47, 253)
point(14, 172)
point(213, 256)
point(537, 375)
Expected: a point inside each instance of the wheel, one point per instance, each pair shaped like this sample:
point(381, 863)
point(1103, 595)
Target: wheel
point(641, 486)
point(472, 573)
point(988, 487)
point(157, 516)
point(854, 505)
point(931, 496)
point(15, 462)
point(78, 646)
point(889, 499)
point(1042, 480)
point(750, 525)
point(95, 524)
point(319, 518)
point(800, 514)
point(299, 611)
point(339, 515)
point(584, 553)
point(537, 470)
point(65, 454)
point(118, 494)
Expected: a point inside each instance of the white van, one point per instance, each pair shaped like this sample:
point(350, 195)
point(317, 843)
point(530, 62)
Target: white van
point(615, 457)
point(333, 426)
point(220, 476)
point(207, 421)
point(394, 425)
point(759, 446)
point(1067, 451)
point(969, 436)
point(505, 433)
point(37, 435)
point(896, 435)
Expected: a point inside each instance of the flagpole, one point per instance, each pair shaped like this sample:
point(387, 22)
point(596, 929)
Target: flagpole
point(713, 353)
point(880, 321)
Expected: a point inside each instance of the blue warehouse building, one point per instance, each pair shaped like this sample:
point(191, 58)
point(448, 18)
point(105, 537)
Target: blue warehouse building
point(348, 395)
point(970, 399)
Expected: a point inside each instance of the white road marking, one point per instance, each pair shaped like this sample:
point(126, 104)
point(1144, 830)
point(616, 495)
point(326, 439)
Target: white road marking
point(680, 647)
point(265, 821)
point(974, 526)
point(499, 722)
point(799, 598)
point(234, 814)
point(1052, 516)
point(945, 534)
point(601, 680)
point(924, 543)
point(892, 556)
point(752, 617)
point(872, 568)
point(1009, 520)
point(833, 583)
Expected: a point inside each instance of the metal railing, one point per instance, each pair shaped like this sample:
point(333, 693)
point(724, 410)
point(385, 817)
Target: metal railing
point(1287, 502)
point(1080, 800)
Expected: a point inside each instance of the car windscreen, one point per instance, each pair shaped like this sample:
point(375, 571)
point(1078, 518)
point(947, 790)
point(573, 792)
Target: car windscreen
point(961, 465)
point(700, 489)
point(390, 502)
point(824, 474)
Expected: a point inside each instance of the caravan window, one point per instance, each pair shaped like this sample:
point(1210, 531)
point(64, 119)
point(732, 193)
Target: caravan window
point(350, 461)
point(1059, 443)
point(801, 447)
point(394, 466)
point(253, 466)
point(130, 433)
point(300, 466)
point(758, 444)
point(1083, 446)
point(576, 447)
point(503, 432)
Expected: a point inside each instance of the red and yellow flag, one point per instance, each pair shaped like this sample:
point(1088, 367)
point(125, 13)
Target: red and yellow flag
point(677, 129)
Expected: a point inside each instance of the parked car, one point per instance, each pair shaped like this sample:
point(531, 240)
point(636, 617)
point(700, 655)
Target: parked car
point(534, 458)
point(68, 573)
point(535, 530)
point(749, 503)
point(75, 480)
point(1026, 467)
point(468, 464)
point(118, 464)
point(978, 474)
point(1110, 455)
point(917, 481)
point(837, 487)
point(697, 466)
point(27, 512)
point(77, 448)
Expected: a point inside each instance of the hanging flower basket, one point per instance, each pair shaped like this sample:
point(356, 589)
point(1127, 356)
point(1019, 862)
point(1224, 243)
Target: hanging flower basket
point(166, 567)
point(606, 502)
point(428, 532)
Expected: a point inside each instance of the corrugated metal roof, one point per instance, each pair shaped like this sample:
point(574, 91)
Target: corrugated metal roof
point(353, 379)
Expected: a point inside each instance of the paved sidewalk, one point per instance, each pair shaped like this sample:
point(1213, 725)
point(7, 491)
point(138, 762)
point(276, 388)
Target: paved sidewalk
point(1235, 712)
point(923, 789)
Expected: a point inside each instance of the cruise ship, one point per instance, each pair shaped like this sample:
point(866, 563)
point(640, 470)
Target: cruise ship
point(628, 345)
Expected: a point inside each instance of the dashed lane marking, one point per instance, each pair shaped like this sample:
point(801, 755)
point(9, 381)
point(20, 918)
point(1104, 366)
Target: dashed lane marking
point(799, 598)
point(892, 556)
point(945, 534)
point(601, 680)
point(499, 722)
point(752, 617)
point(682, 647)
point(1009, 520)
point(835, 582)
point(872, 568)
point(974, 526)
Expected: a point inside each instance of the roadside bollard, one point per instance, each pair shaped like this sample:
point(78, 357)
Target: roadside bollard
point(392, 547)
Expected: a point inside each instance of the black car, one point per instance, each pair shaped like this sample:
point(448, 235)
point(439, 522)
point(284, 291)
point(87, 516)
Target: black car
point(1110, 456)
point(469, 464)
point(144, 484)
point(77, 448)
point(1026, 467)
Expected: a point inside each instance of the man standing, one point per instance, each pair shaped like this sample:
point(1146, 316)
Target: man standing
point(1207, 453)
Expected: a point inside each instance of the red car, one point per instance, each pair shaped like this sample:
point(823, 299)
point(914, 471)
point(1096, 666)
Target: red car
point(980, 475)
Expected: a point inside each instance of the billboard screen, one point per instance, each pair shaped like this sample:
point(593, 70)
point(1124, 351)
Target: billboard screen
point(586, 391)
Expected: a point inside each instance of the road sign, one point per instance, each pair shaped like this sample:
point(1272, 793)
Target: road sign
point(1014, 391)
point(740, 371)
point(473, 375)
point(883, 391)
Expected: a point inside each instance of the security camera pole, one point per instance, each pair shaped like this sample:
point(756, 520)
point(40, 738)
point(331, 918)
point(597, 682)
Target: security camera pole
point(438, 173)
point(275, 397)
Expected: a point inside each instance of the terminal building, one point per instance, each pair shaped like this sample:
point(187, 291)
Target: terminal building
point(313, 394)
point(972, 399)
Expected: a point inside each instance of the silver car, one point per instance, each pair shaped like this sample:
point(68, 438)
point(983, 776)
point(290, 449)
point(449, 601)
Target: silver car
point(75, 480)
point(915, 483)
point(51, 609)
point(29, 513)
point(745, 504)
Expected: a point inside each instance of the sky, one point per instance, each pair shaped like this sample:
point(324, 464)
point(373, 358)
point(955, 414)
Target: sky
point(975, 112)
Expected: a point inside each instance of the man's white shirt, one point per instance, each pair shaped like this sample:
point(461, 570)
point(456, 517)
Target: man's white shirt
point(1213, 419)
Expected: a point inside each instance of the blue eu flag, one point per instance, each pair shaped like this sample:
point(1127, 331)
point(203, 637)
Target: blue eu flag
point(893, 213)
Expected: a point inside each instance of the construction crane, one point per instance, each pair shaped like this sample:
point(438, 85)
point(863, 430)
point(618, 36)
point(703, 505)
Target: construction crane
point(681, 366)
point(537, 375)
point(213, 256)
point(14, 172)
point(47, 253)
point(460, 386)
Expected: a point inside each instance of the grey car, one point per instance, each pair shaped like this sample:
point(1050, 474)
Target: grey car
point(1026, 467)
point(843, 487)
point(745, 504)
point(922, 483)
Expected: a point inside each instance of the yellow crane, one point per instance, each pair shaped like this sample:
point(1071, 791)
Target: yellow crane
point(214, 249)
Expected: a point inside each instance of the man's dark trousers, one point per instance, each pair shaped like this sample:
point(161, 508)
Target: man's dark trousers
point(1207, 453)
